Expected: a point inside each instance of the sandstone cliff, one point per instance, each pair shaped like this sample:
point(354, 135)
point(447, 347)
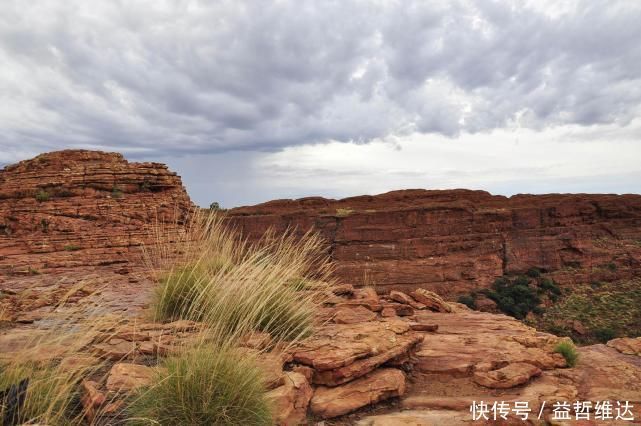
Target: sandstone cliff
point(83, 208)
point(457, 240)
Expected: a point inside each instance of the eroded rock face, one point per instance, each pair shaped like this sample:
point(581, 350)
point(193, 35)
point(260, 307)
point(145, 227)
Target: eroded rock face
point(340, 353)
point(291, 400)
point(381, 384)
point(454, 241)
point(511, 375)
point(83, 208)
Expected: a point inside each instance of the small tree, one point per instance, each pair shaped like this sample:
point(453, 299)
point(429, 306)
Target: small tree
point(214, 206)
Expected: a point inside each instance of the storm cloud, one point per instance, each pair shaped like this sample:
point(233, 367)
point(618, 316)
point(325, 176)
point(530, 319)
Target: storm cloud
point(180, 78)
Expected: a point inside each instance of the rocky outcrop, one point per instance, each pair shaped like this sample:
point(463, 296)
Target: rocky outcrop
point(83, 208)
point(382, 384)
point(455, 241)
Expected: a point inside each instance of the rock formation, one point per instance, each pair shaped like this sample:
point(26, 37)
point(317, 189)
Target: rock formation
point(455, 241)
point(83, 208)
point(397, 355)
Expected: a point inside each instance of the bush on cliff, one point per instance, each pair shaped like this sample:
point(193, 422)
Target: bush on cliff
point(514, 297)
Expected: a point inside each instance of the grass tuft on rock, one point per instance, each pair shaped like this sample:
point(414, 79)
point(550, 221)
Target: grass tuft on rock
point(205, 385)
point(274, 286)
point(569, 352)
point(50, 393)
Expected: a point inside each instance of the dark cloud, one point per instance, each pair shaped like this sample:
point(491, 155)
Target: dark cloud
point(152, 78)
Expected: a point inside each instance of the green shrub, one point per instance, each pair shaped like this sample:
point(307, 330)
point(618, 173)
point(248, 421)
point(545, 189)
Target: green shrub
point(533, 273)
point(71, 247)
point(468, 300)
point(116, 192)
point(515, 298)
point(611, 266)
point(42, 195)
point(208, 385)
point(521, 280)
point(604, 334)
point(550, 286)
point(569, 352)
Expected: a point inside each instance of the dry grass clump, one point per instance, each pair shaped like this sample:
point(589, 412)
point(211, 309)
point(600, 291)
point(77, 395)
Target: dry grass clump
point(51, 395)
point(45, 374)
point(220, 279)
point(234, 288)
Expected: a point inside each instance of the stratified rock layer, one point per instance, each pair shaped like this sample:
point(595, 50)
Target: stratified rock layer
point(83, 208)
point(457, 240)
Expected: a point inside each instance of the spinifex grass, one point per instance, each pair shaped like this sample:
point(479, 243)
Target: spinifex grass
point(54, 363)
point(233, 288)
point(204, 385)
point(221, 280)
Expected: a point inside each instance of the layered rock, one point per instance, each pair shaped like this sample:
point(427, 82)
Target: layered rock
point(457, 240)
point(83, 208)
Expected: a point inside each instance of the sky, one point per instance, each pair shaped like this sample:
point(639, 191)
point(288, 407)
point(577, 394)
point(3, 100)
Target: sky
point(256, 100)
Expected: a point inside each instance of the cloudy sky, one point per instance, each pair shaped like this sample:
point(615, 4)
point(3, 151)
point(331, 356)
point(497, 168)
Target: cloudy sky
point(255, 100)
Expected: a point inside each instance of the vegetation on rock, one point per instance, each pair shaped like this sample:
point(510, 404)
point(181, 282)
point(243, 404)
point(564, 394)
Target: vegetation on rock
point(606, 311)
point(206, 385)
point(569, 352)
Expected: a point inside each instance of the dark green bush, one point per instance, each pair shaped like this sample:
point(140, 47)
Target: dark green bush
point(42, 195)
point(533, 273)
point(515, 298)
point(468, 300)
point(604, 334)
point(550, 286)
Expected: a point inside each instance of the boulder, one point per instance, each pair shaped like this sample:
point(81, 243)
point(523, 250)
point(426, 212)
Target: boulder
point(290, 401)
point(626, 345)
point(430, 299)
point(400, 297)
point(91, 399)
point(124, 377)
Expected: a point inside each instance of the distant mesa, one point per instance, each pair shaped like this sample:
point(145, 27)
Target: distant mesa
point(82, 208)
point(455, 241)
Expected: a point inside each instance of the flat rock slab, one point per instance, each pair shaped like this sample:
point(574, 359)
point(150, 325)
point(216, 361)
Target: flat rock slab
point(627, 345)
point(379, 385)
point(353, 315)
point(507, 377)
point(339, 353)
point(465, 340)
point(125, 377)
point(418, 418)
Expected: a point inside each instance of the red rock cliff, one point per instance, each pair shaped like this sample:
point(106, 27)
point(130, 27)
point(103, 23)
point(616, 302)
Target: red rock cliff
point(79, 208)
point(457, 240)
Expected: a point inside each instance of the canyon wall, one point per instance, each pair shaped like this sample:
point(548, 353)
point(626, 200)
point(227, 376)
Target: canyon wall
point(84, 208)
point(454, 241)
